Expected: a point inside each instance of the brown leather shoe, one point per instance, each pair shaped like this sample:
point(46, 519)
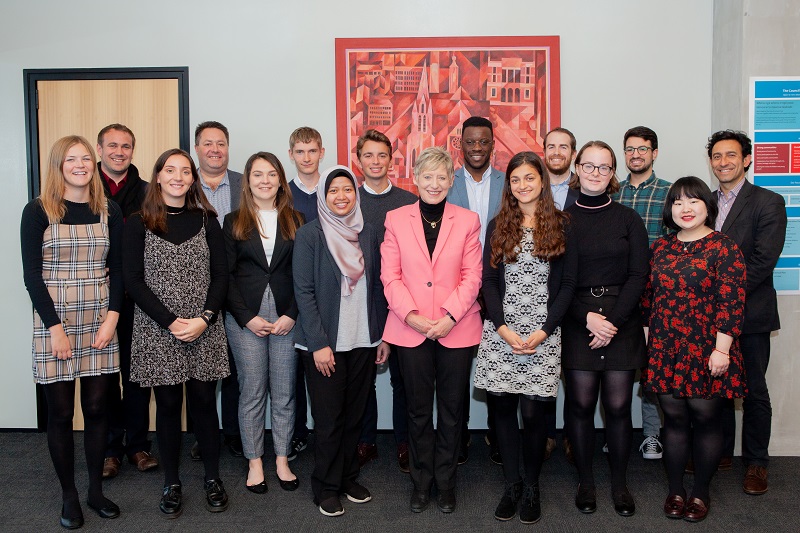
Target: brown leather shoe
point(568, 451)
point(402, 457)
point(144, 461)
point(549, 447)
point(696, 510)
point(110, 467)
point(755, 480)
point(675, 506)
point(366, 453)
point(726, 463)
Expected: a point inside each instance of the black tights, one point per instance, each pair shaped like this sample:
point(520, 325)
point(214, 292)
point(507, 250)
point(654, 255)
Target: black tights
point(60, 409)
point(534, 435)
point(692, 425)
point(615, 388)
point(169, 401)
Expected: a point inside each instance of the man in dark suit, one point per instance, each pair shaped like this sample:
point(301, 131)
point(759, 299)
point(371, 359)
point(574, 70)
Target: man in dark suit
point(223, 188)
point(478, 187)
point(755, 218)
point(128, 415)
point(559, 155)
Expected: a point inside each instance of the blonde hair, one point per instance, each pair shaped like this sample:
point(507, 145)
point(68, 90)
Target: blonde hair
point(54, 186)
point(304, 134)
point(432, 158)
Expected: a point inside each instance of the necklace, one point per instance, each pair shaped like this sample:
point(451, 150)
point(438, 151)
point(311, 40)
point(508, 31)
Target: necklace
point(177, 212)
point(592, 207)
point(433, 224)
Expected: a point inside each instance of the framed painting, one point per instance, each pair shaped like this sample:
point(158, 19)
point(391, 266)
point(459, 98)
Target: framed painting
point(418, 91)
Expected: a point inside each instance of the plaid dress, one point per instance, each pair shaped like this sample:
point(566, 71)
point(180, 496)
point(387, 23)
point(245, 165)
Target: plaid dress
point(73, 268)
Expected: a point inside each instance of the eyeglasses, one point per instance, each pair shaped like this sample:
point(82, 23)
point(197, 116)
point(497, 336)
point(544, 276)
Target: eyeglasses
point(641, 149)
point(469, 143)
point(604, 170)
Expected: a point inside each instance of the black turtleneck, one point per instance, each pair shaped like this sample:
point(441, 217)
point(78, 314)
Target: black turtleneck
point(612, 250)
point(431, 213)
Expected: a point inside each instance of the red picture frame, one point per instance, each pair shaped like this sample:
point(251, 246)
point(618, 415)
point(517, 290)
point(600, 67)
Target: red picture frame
point(419, 90)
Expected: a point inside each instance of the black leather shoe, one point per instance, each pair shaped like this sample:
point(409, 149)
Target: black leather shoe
point(420, 500)
point(194, 452)
point(108, 509)
point(586, 500)
point(216, 497)
point(171, 501)
point(71, 522)
point(530, 510)
point(234, 445)
point(623, 503)
point(288, 485)
point(507, 507)
point(258, 488)
point(446, 500)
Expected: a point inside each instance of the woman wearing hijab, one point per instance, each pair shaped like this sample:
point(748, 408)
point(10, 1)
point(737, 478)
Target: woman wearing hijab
point(342, 312)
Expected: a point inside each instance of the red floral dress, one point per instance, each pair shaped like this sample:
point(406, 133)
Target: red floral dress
point(695, 289)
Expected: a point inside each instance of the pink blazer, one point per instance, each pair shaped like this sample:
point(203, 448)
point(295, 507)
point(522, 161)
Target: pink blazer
point(432, 286)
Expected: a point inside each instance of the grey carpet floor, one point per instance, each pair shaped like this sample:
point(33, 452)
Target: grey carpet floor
point(31, 501)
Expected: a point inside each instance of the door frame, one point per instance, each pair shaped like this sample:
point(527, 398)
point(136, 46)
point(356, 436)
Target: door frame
point(32, 76)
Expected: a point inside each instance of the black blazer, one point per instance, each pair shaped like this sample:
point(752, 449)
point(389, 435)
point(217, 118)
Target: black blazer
point(572, 195)
point(560, 284)
point(317, 287)
point(757, 223)
point(250, 274)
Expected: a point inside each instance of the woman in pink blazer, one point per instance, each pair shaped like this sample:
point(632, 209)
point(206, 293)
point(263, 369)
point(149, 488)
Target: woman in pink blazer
point(433, 320)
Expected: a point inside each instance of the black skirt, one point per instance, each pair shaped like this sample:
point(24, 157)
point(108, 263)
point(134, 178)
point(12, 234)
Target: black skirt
point(626, 351)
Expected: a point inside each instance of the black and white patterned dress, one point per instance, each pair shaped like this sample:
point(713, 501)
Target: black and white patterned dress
point(179, 275)
point(525, 310)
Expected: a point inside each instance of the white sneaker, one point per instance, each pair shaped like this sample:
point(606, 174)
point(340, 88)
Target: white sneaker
point(651, 448)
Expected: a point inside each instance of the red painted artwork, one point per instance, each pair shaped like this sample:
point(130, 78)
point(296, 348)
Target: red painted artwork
point(418, 91)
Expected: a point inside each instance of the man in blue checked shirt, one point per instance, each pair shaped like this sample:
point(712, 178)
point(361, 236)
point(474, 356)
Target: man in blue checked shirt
point(645, 193)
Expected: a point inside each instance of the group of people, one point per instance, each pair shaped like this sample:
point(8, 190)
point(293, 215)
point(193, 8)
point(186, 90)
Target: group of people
point(314, 282)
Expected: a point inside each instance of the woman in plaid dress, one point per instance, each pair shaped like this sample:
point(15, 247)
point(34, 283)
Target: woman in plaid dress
point(71, 256)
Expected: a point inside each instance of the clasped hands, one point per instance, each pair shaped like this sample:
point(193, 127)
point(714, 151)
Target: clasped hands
point(519, 346)
point(601, 329)
point(432, 329)
point(262, 327)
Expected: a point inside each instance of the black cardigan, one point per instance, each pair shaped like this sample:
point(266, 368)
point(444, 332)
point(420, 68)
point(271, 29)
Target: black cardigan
point(250, 273)
point(560, 284)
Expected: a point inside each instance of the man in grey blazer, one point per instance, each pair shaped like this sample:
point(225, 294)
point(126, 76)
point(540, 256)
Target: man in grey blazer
point(478, 187)
point(755, 218)
point(223, 188)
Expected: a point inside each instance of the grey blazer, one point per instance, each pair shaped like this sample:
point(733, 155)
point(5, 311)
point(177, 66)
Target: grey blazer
point(458, 193)
point(317, 282)
point(757, 223)
point(235, 180)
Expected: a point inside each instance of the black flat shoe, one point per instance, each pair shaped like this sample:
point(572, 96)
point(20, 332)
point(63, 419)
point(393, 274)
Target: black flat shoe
point(420, 500)
point(216, 497)
point(446, 500)
point(109, 509)
point(71, 522)
point(586, 500)
point(258, 488)
point(288, 485)
point(171, 501)
point(623, 503)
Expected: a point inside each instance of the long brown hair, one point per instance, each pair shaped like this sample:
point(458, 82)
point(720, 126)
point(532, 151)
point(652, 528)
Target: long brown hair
point(246, 220)
point(54, 186)
point(154, 210)
point(548, 222)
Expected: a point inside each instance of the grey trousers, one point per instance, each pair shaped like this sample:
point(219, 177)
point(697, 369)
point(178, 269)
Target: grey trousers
point(266, 365)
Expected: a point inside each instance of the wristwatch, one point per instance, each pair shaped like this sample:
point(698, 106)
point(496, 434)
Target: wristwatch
point(209, 317)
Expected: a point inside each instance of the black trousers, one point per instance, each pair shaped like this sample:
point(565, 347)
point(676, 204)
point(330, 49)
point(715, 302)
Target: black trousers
point(427, 369)
point(300, 402)
point(369, 427)
point(337, 405)
point(757, 415)
point(129, 413)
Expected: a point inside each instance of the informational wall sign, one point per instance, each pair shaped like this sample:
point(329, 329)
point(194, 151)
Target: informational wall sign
point(775, 130)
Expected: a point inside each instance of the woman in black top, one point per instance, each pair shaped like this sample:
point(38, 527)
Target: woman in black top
point(603, 340)
point(70, 235)
point(176, 271)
